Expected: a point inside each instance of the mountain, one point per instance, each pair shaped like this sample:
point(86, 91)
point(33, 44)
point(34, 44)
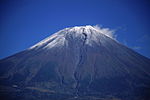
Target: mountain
point(77, 63)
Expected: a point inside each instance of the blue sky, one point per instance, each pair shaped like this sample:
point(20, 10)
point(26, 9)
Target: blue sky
point(26, 22)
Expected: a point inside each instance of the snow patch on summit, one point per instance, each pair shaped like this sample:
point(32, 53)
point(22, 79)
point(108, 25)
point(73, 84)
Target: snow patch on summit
point(76, 34)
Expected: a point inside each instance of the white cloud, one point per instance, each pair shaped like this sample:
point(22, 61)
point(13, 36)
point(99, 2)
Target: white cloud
point(106, 31)
point(144, 38)
point(125, 42)
point(136, 47)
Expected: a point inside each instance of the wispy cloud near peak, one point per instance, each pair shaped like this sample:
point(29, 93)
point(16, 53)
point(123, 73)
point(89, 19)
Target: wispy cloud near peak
point(106, 31)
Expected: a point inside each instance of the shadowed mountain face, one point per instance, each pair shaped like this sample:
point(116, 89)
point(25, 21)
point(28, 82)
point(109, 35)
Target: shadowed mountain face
point(78, 63)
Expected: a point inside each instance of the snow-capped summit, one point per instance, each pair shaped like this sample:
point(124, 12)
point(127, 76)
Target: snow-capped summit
point(84, 62)
point(89, 34)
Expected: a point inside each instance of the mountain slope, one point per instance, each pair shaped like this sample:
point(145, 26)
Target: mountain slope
point(79, 61)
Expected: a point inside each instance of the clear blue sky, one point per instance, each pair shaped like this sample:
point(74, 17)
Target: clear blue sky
point(25, 22)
